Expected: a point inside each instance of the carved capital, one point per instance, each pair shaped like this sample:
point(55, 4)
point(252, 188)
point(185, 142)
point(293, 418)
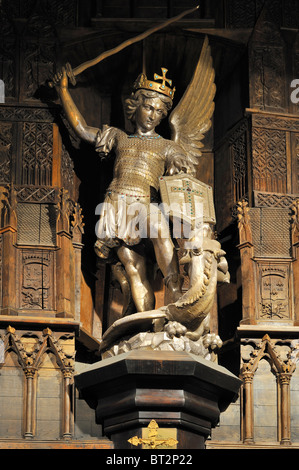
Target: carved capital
point(68, 373)
point(247, 376)
point(284, 378)
point(30, 372)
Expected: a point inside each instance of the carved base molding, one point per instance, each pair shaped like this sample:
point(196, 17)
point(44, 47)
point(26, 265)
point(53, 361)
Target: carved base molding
point(72, 444)
point(240, 445)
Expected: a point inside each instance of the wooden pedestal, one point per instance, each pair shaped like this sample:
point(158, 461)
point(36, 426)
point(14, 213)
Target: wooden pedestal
point(178, 390)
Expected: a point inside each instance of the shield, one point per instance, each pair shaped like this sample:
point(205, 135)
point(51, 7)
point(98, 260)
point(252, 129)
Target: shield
point(188, 199)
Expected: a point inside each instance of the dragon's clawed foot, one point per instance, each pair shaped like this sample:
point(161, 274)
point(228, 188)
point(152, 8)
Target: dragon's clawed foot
point(212, 341)
point(174, 328)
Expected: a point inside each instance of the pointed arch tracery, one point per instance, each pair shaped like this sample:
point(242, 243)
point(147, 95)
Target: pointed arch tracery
point(280, 356)
point(30, 362)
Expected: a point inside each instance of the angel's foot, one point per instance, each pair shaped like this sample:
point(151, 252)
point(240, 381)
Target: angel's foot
point(212, 341)
point(174, 328)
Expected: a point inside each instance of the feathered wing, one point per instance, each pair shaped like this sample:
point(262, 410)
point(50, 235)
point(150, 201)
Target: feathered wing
point(192, 117)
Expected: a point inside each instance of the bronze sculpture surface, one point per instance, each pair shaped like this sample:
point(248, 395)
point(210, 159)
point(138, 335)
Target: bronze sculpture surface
point(142, 159)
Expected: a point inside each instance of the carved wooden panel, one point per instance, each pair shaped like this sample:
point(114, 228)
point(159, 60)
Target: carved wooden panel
point(275, 150)
point(267, 61)
point(242, 14)
point(232, 173)
point(268, 78)
point(270, 228)
point(37, 153)
point(36, 286)
point(38, 65)
point(274, 292)
point(281, 122)
point(269, 162)
point(267, 199)
point(6, 134)
point(239, 150)
point(36, 224)
point(67, 171)
point(40, 194)
point(27, 113)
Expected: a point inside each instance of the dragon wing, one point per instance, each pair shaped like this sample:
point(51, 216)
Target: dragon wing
point(192, 117)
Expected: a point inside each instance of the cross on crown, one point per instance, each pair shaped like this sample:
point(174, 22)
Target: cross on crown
point(163, 78)
point(143, 82)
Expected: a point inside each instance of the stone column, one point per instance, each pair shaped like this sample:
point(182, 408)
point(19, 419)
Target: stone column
point(30, 403)
point(248, 419)
point(67, 423)
point(284, 382)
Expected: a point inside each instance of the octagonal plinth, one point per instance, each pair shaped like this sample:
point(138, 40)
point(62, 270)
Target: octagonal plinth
point(180, 391)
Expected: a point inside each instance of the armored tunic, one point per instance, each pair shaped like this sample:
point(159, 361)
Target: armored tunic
point(140, 162)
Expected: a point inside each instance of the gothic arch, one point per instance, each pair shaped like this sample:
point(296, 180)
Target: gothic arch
point(279, 355)
point(30, 360)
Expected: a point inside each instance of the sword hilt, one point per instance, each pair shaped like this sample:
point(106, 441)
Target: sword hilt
point(70, 74)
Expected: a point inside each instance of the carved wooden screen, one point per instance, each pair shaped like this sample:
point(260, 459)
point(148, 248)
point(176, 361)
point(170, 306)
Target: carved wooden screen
point(37, 145)
point(36, 224)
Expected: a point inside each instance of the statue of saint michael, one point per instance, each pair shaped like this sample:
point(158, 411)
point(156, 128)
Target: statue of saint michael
point(142, 158)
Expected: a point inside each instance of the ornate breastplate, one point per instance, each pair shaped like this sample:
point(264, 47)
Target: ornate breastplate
point(139, 164)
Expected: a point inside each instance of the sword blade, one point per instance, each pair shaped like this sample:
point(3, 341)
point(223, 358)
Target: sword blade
point(90, 63)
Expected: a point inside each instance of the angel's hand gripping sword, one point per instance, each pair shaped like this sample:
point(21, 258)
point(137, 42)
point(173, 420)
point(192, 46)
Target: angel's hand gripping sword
point(72, 73)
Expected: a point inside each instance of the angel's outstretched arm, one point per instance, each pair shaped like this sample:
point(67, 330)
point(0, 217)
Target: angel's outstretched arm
point(73, 115)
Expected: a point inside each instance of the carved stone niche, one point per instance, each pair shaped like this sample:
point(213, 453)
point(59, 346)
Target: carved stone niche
point(274, 292)
point(35, 281)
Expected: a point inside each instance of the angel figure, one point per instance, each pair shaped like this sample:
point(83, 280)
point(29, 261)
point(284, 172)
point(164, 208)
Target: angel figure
point(141, 159)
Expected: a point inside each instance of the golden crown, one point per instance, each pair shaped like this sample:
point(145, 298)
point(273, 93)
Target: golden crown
point(143, 82)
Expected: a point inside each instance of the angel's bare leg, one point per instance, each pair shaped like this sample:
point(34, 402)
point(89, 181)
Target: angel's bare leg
point(142, 292)
point(166, 255)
